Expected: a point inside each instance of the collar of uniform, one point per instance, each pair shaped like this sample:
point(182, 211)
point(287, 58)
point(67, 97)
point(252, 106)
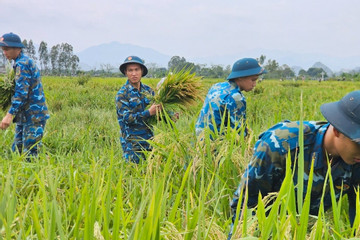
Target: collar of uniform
point(19, 56)
point(235, 88)
point(234, 85)
point(319, 153)
point(131, 86)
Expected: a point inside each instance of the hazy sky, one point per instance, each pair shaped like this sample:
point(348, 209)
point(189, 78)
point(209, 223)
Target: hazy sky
point(191, 28)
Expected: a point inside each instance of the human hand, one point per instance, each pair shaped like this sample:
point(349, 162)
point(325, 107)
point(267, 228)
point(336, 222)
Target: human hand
point(6, 121)
point(154, 109)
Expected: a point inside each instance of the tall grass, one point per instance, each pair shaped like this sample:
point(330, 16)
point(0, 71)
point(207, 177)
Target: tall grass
point(7, 87)
point(81, 188)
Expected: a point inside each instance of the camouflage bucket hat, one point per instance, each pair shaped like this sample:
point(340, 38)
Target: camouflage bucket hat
point(344, 115)
point(133, 59)
point(11, 40)
point(246, 67)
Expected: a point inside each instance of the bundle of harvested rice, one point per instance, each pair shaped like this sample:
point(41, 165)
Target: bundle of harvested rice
point(178, 91)
point(7, 87)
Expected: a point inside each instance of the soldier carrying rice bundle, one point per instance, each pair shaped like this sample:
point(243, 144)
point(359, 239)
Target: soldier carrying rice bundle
point(28, 108)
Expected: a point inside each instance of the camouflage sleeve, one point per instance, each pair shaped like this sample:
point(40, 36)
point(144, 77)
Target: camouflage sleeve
point(215, 115)
point(236, 107)
point(22, 85)
point(355, 182)
point(264, 174)
point(126, 111)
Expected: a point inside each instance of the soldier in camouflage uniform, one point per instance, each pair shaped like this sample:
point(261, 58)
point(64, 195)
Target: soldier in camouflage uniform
point(337, 141)
point(131, 103)
point(226, 99)
point(28, 107)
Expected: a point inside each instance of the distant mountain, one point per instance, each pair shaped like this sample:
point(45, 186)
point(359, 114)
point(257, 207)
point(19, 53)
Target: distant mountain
point(325, 68)
point(114, 53)
point(303, 60)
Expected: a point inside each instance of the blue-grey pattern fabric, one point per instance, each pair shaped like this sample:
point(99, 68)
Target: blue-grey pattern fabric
point(28, 138)
point(266, 170)
point(222, 100)
point(28, 106)
point(132, 117)
point(28, 103)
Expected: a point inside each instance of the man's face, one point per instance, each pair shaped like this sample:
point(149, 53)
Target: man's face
point(10, 52)
point(133, 72)
point(348, 150)
point(247, 83)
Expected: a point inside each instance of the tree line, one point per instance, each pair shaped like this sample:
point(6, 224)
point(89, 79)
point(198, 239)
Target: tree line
point(217, 71)
point(60, 60)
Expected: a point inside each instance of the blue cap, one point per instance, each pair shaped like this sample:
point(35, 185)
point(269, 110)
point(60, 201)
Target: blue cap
point(344, 115)
point(246, 67)
point(133, 59)
point(11, 40)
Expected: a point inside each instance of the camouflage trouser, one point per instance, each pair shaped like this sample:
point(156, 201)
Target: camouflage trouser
point(134, 151)
point(28, 138)
point(133, 156)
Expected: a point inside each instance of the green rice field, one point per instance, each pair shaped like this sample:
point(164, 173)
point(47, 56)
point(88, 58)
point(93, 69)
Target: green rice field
point(81, 188)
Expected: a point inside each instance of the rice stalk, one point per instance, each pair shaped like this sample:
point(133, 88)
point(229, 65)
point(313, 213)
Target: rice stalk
point(179, 91)
point(7, 87)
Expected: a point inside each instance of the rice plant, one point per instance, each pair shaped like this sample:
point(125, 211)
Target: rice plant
point(7, 87)
point(81, 188)
point(179, 90)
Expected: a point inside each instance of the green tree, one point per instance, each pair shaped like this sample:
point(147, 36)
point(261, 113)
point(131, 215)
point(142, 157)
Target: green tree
point(25, 43)
point(31, 51)
point(261, 59)
point(66, 53)
point(63, 60)
point(315, 72)
point(217, 71)
point(286, 71)
point(302, 72)
point(155, 71)
point(43, 56)
point(273, 69)
point(227, 70)
point(54, 56)
point(74, 63)
point(202, 70)
point(177, 63)
point(271, 66)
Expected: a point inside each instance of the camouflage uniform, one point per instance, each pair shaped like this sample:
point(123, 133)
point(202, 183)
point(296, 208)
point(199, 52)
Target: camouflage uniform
point(132, 116)
point(223, 98)
point(266, 170)
point(28, 106)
